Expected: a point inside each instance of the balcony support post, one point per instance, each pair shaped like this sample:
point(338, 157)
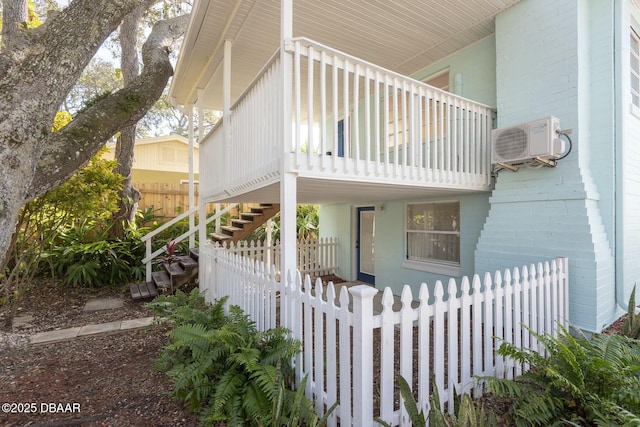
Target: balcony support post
point(226, 103)
point(288, 180)
point(192, 191)
point(202, 205)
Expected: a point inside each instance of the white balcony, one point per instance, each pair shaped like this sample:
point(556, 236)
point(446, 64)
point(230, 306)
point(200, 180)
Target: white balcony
point(356, 128)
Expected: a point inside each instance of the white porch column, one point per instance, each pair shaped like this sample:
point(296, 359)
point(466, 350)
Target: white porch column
point(202, 205)
point(226, 101)
point(192, 197)
point(288, 184)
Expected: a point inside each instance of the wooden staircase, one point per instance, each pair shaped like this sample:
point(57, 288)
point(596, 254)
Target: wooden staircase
point(246, 223)
point(176, 274)
point(172, 276)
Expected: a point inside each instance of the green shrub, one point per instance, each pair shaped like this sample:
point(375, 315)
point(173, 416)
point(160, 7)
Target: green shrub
point(83, 255)
point(226, 370)
point(582, 382)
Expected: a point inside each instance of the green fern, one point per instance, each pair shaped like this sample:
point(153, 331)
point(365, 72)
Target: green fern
point(583, 381)
point(224, 368)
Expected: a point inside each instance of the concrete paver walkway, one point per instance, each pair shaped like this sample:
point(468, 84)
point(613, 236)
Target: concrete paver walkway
point(87, 330)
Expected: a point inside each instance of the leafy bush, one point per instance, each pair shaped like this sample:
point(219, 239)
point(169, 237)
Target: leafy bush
point(87, 197)
point(307, 225)
point(84, 255)
point(595, 381)
point(227, 370)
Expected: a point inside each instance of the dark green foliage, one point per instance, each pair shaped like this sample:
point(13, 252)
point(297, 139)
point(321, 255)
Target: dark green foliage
point(467, 413)
point(189, 309)
point(84, 256)
point(307, 222)
point(582, 382)
point(631, 325)
point(225, 369)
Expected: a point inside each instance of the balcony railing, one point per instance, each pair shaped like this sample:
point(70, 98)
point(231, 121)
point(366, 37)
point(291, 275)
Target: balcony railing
point(351, 120)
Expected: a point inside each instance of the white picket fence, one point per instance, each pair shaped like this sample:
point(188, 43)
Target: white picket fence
point(352, 356)
point(317, 257)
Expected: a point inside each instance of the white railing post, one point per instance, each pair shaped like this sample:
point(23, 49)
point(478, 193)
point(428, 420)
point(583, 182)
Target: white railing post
point(147, 245)
point(362, 354)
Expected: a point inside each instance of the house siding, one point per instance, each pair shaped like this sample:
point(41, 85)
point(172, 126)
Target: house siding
point(160, 159)
point(390, 239)
point(472, 71)
point(545, 51)
point(629, 161)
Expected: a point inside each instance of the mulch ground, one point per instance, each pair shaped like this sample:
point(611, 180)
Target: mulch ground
point(107, 380)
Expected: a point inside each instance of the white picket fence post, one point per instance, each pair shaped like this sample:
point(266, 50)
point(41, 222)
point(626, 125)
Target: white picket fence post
point(455, 336)
point(362, 353)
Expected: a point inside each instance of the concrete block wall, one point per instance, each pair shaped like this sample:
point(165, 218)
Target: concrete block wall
point(542, 67)
point(628, 191)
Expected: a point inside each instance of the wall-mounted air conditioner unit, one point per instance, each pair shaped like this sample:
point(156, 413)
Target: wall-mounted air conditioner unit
point(535, 140)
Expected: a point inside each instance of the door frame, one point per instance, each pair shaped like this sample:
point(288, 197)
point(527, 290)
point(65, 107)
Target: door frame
point(365, 277)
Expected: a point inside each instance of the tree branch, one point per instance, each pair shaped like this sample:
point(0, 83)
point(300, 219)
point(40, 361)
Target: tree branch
point(71, 148)
point(52, 57)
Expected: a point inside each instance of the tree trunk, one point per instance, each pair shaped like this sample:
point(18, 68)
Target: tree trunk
point(14, 13)
point(128, 195)
point(36, 74)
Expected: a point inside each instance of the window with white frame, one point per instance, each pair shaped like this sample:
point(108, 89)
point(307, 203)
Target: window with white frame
point(635, 68)
point(433, 232)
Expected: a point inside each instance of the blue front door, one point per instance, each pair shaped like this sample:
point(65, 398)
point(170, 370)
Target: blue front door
point(365, 247)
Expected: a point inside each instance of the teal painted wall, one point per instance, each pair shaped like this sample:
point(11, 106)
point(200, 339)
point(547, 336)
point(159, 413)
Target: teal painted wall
point(554, 58)
point(390, 239)
point(336, 221)
point(628, 151)
point(472, 71)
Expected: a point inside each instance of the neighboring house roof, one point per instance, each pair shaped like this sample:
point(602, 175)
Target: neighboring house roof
point(400, 36)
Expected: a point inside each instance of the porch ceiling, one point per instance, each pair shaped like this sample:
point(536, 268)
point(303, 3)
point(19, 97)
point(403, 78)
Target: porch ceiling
point(403, 36)
point(323, 191)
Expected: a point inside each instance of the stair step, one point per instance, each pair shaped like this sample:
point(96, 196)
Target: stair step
point(240, 222)
point(230, 229)
point(143, 291)
point(249, 215)
point(195, 253)
point(187, 262)
point(174, 269)
point(219, 237)
point(161, 279)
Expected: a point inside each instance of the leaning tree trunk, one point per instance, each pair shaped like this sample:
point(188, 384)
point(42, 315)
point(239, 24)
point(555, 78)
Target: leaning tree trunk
point(128, 195)
point(38, 68)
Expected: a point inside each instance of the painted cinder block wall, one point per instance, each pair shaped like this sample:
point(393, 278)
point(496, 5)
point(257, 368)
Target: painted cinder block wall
point(627, 155)
point(554, 58)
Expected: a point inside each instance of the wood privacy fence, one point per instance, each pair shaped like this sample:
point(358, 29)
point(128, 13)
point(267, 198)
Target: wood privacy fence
point(354, 357)
point(167, 200)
